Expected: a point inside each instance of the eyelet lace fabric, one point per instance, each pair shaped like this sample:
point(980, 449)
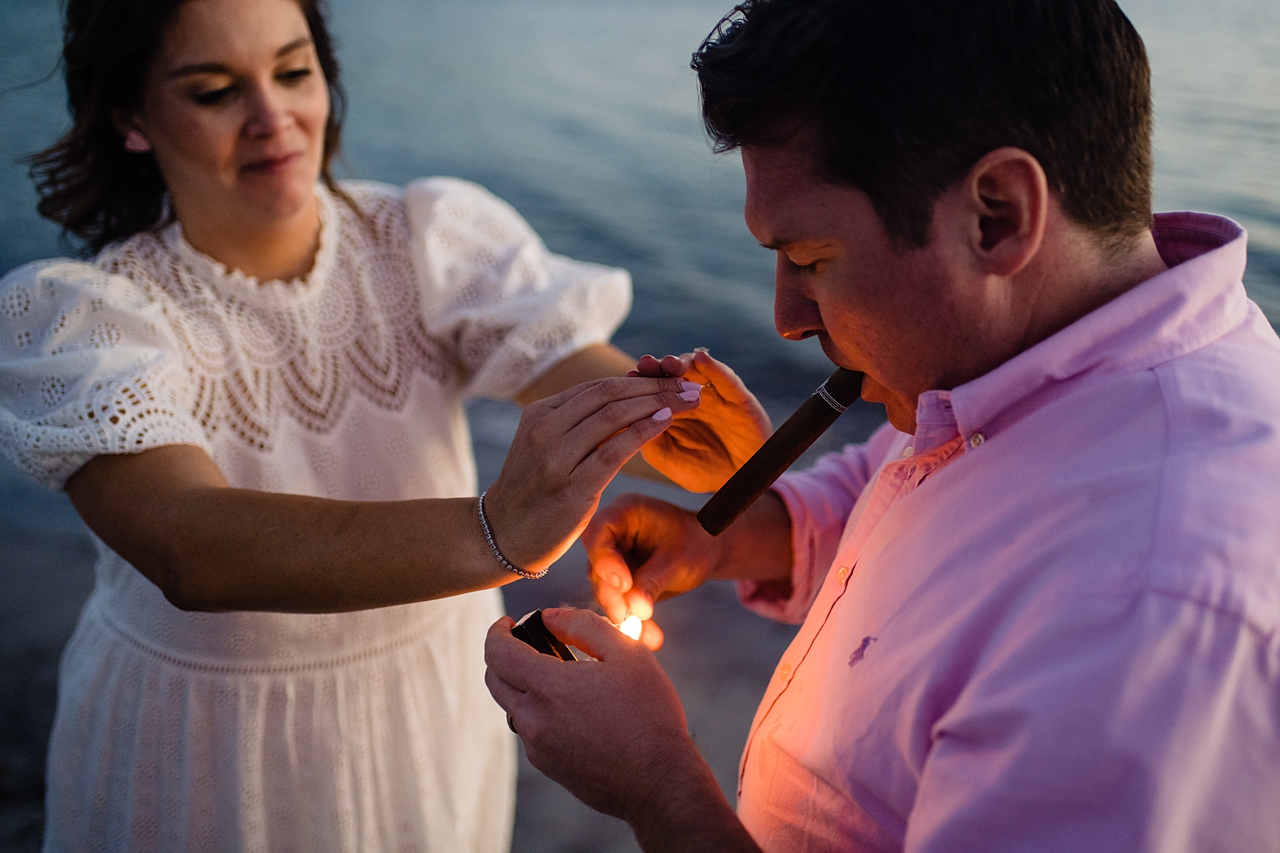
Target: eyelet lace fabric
point(234, 731)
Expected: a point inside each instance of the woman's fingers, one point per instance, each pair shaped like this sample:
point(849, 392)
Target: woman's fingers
point(619, 400)
point(602, 464)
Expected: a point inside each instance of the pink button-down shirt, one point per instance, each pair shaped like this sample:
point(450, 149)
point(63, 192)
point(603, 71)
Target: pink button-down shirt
point(1050, 620)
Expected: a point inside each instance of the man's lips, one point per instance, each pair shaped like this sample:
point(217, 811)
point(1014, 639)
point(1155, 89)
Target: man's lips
point(269, 165)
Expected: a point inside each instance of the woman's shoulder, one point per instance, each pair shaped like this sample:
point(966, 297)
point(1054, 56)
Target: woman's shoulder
point(457, 196)
point(54, 290)
point(50, 278)
point(418, 193)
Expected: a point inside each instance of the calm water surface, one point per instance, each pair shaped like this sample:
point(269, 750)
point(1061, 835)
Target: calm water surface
point(582, 113)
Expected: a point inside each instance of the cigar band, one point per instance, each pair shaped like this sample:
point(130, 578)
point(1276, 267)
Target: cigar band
point(829, 400)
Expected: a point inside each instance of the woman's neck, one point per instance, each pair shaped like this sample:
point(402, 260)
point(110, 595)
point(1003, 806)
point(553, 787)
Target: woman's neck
point(280, 250)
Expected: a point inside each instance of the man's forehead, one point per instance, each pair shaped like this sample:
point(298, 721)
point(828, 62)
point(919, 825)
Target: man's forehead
point(787, 200)
point(789, 165)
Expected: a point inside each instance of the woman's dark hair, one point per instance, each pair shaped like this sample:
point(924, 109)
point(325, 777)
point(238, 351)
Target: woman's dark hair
point(87, 182)
point(904, 96)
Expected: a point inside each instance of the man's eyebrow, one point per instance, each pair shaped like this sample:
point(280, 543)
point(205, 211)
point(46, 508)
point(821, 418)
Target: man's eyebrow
point(219, 68)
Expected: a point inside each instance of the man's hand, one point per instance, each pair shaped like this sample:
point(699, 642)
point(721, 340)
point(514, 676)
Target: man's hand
point(613, 733)
point(609, 730)
point(704, 447)
point(641, 550)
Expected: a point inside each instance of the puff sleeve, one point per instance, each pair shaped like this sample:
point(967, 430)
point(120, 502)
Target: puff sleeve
point(511, 308)
point(88, 366)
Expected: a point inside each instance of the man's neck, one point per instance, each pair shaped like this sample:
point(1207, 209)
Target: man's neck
point(1081, 276)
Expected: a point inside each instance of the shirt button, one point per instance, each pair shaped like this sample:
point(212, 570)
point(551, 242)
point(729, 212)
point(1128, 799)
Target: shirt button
point(785, 672)
point(907, 451)
point(976, 439)
point(842, 574)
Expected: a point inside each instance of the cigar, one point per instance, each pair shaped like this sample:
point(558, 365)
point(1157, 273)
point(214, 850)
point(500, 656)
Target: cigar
point(784, 447)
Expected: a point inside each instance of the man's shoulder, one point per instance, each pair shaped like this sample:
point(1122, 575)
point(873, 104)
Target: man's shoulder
point(1217, 533)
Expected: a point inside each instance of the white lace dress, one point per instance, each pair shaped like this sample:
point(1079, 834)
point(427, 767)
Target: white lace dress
point(368, 731)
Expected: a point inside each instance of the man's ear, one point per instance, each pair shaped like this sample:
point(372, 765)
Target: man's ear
point(1006, 196)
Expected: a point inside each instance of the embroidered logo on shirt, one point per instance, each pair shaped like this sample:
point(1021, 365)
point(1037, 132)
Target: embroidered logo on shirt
point(859, 652)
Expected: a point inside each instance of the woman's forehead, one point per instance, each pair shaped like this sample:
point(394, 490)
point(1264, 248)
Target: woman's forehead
point(231, 32)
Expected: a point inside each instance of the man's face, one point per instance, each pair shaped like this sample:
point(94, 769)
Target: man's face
point(899, 317)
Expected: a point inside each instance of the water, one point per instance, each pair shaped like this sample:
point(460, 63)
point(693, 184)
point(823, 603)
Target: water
point(582, 113)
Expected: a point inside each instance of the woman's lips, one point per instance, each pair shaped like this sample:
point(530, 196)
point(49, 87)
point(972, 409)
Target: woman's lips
point(271, 165)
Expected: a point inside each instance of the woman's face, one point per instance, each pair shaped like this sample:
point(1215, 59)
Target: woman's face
point(234, 105)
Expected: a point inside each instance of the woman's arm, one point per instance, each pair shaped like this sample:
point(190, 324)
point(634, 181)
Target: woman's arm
point(171, 513)
point(597, 361)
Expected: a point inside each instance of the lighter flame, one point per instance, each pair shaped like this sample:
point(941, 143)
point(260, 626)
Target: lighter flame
point(631, 627)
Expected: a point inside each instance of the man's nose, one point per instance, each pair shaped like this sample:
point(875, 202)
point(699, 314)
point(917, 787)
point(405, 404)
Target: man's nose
point(795, 315)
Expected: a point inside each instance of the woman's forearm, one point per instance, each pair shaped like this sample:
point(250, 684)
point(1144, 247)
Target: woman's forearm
point(171, 513)
point(207, 546)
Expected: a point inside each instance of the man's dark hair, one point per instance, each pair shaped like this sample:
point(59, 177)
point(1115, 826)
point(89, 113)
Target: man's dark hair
point(904, 96)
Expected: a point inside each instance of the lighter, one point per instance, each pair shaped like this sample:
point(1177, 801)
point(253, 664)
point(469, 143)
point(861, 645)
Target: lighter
point(531, 629)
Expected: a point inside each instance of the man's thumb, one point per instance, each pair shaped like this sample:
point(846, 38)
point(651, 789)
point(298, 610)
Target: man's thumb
point(584, 629)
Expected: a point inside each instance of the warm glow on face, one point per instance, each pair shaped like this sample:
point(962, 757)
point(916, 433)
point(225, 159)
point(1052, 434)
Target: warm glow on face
point(631, 627)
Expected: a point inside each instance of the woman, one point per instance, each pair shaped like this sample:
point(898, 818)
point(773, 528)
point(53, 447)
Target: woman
point(255, 405)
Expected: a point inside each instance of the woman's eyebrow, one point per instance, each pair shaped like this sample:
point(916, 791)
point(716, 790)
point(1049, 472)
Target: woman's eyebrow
point(219, 68)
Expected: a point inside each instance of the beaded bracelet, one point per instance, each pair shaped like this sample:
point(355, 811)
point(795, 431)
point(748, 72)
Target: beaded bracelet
point(493, 546)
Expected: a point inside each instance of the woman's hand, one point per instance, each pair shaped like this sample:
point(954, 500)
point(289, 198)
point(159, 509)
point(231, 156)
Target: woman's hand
point(705, 446)
point(566, 450)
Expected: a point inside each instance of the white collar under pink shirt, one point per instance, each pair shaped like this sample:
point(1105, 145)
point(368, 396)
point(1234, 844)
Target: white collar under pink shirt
point(1050, 620)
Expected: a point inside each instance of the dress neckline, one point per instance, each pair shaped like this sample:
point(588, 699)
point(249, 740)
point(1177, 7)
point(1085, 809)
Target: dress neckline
point(230, 281)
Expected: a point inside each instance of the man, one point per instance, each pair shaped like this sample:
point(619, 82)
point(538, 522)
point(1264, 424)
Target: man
point(1041, 608)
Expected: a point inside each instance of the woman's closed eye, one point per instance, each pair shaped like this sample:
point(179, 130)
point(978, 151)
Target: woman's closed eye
point(211, 97)
point(295, 75)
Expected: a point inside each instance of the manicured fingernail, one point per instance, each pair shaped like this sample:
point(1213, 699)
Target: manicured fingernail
point(614, 581)
point(663, 414)
point(692, 391)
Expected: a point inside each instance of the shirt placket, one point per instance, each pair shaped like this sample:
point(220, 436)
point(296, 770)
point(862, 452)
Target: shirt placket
point(896, 480)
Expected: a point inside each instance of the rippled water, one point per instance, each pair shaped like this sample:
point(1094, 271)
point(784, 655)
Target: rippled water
point(582, 113)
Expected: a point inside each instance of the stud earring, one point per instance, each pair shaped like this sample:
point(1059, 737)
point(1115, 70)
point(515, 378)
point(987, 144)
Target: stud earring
point(136, 143)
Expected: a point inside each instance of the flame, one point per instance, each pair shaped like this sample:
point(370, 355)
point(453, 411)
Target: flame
point(631, 627)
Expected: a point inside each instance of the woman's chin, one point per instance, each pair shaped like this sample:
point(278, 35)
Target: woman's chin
point(267, 204)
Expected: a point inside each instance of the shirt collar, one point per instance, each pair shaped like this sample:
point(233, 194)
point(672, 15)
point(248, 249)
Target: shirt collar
point(1194, 302)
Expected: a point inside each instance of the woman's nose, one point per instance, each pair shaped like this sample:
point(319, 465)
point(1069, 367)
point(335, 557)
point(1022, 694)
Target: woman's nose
point(267, 113)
